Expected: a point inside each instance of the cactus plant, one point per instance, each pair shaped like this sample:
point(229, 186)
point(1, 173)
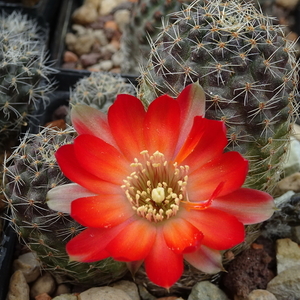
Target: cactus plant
point(30, 172)
point(145, 23)
point(24, 75)
point(248, 70)
point(99, 90)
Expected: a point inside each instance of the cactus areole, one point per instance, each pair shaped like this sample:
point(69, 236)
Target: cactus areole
point(155, 186)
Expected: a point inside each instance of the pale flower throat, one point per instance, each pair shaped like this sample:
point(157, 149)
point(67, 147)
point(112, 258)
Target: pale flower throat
point(156, 187)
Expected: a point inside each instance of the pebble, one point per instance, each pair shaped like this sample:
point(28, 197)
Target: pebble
point(291, 164)
point(261, 295)
point(287, 4)
point(18, 287)
point(43, 296)
point(29, 265)
point(289, 183)
point(286, 285)
point(85, 14)
point(106, 65)
point(89, 59)
point(205, 290)
point(287, 254)
point(107, 6)
point(117, 59)
point(128, 287)
point(104, 293)
point(44, 284)
point(100, 37)
point(62, 289)
point(70, 57)
point(66, 297)
point(122, 18)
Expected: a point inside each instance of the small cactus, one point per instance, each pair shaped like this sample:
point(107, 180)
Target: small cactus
point(248, 70)
point(145, 23)
point(24, 75)
point(29, 173)
point(99, 90)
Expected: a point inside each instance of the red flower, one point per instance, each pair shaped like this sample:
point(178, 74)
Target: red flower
point(155, 186)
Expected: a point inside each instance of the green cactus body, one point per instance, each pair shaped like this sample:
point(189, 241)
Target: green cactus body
point(145, 23)
point(24, 75)
point(99, 90)
point(248, 70)
point(30, 172)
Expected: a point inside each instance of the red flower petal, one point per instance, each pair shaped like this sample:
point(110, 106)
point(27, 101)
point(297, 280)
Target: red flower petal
point(211, 143)
point(192, 103)
point(69, 165)
point(89, 245)
point(89, 120)
point(125, 118)
point(60, 197)
point(101, 211)
point(205, 259)
point(247, 205)
point(161, 128)
point(181, 236)
point(163, 266)
point(101, 159)
point(134, 242)
point(230, 168)
point(220, 230)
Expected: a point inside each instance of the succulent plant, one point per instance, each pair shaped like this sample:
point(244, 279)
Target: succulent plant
point(24, 74)
point(99, 90)
point(30, 172)
point(145, 23)
point(248, 70)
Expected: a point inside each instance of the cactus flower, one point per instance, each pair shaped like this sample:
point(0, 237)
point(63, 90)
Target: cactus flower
point(155, 186)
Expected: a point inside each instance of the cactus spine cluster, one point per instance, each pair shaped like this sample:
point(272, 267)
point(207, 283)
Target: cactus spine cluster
point(30, 172)
point(99, 90)
point(24, 75)
point(247, 68)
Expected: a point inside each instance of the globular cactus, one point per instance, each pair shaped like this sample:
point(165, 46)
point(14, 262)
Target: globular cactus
point(248, 70)
point(29, 173)
point(24, 74)
point(145, 23)
point(99, 90)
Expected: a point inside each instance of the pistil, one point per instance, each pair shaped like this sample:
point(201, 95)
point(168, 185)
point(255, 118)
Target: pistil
point(156, 187)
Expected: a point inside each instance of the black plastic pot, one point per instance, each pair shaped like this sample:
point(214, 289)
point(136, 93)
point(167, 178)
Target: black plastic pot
point(7, 246)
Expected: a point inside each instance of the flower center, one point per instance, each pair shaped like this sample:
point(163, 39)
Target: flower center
point(156, 187)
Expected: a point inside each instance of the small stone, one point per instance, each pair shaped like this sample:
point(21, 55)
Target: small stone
point(62, 289)
point(44, 284)
point(286, 285)
point(43, 296)
point(84, 44)
point(117, 59)
point(128, 287)
point(261, 295)
point(104, 293)
point(107, 6)
point(29, 265)
point(100, 37)
point(291, 164)
point(18, 287)
point(106, 65)
point(144, 293)
point(70, 56)
point(290, 183)
point(288, 254)
point(89, 59)
point(122, 18)
point(85, 14)
point(287, 4)
point(206, 290)
point(78, 29)
point(66, 297)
